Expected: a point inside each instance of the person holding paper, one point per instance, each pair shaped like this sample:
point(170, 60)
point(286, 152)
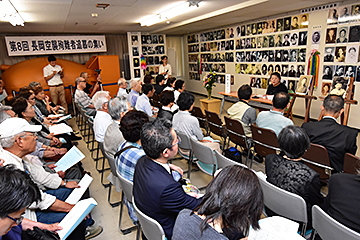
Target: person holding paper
point(239, 192)
point(53, 75)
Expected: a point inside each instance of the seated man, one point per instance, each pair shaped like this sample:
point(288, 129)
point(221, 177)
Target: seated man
point(143, 102)
point(117, 108)
point(156, 192)
point(130, 150)
point(89, 89)
point(337, 139)
point(241, 110)
point(122, 83)
point(82, 98)
point(274, 119)
point(135, 92)
point(167, 100)
point(160, 84)
point(102, 119)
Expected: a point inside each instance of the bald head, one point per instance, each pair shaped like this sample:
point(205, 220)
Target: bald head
point(122, 83)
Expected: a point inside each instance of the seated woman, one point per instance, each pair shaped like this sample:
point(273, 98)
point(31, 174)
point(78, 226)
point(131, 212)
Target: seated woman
point(167, 101)
point(42, 101)
point(276, 84)
point(179, 88)
point(170, 84)
point(288, 172)
point(239, 192)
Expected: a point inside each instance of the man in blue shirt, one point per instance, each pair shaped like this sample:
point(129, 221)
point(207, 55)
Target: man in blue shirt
point(134, 93)
point(274, 119)
point(143, 103)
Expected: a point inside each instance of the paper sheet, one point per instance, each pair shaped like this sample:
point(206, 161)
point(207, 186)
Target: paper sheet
point(73, 156)
point(276, 228)
point(60, 128)
point(77, 193)
point(55, 115)
point(64, 118)
point(75, 217)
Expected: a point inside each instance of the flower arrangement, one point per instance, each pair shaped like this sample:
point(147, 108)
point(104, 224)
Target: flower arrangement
point(209, 83)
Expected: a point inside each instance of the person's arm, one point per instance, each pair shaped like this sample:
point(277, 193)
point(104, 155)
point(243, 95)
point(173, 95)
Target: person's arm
point(60, 206)
point(47, 78)
point(352, 147)
point(197, 130)
point(315, 197)
point(249, 116)
point(47, 101)
point(28, 224)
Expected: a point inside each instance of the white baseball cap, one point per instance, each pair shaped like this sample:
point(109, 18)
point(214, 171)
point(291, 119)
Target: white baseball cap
point(12, 126)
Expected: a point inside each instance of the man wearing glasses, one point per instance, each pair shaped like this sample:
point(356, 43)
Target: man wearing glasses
point(82, 98)
point(156, 190)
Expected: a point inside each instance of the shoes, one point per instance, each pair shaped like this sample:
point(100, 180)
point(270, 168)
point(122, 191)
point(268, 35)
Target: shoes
point(92, 231)
point(75, 138)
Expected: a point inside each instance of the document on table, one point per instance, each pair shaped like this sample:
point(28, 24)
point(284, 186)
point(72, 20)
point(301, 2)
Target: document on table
point(60, 128)
point(276, 228)
point(73, 156)
point(75, 217)
point(77, 193)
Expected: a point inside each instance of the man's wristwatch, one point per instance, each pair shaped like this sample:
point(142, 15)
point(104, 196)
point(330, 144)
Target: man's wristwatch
point(65, 182)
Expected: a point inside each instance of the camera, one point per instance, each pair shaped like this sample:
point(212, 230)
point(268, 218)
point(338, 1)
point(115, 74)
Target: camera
point(98, 71)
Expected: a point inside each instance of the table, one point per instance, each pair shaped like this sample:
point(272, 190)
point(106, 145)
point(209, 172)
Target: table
point(212, 105)
point(254, 102)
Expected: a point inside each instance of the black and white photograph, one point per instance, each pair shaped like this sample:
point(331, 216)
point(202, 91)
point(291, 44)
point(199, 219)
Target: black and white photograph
point(300, 70)
point(354, 33)
point(242, 30)
point(344, 14)
point(292, 71)
point(134, 40)
point(302, 55)
point(136, 62)
point(333, 16)
point(280, 25)
point(144, 50)
point(271, 56)
point(265, 56)
point(148, 39)
point(342, 35)
point(303, 38)
point(286, 40)
point(315, 37)
point(350, 71)
point(259, 42)
point(284, 70)
point(340, 54)
point(294, 39)
point(278, 55)
point(271, 39)
point(150, 61)
point(259, 28)
point(355, 10)
point(293, 55)
point(265, 42)
point(278, 40)
point(304, 20)
point(253, 43)
point(325, 88)
point(135, 51)
point(339, 86)
point(264, 69)
point(270, 69)
point(329, 54)
point(352, 54)
point(285, 56)
point(277, 68)
point(143, 39)
point(156, 60)
point(303, 84)
point(151, 49)
point(328, 72)
point(161, 38)
point(295, 22)
point(330, 35)
point(339, 71)
point(287, 23)
point(137, 73)
point(291, 85)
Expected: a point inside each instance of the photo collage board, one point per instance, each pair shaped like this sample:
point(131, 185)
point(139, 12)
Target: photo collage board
point(152, 46)
point(257, 49)
point(341, 55)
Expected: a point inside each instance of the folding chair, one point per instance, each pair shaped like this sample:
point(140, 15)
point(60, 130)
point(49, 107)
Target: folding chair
point(196, 112)
point(204, 154)
point(127, 191)
point(216, 125)
point(223, 161)
point(351, 163)
point(330, 229)
point(236, 134)
point(284, 203)
point(112, 165)
point(103, 169)
point(185, 144)
point(317, 158)
point(264, 142)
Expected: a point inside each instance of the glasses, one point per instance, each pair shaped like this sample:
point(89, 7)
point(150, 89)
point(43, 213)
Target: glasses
point(29, 134)
point(16, 220)
point(178, 142)
point(83, 81)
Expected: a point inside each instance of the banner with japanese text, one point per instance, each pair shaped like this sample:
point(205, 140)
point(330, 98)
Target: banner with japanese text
point(46, 45)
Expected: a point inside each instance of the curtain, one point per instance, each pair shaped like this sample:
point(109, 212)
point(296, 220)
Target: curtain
point(176, 43)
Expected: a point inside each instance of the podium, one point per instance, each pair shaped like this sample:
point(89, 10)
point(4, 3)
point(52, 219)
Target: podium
point(212, 105)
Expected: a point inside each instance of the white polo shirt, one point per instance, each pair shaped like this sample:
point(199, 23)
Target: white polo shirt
point(56, 79)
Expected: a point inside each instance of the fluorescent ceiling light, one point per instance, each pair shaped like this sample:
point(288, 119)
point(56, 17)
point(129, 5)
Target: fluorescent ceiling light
point(170, 12)
point(9, 13)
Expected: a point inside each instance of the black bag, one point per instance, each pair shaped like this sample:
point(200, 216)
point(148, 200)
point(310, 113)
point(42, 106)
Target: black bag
point(40, 234)
point(233, 154)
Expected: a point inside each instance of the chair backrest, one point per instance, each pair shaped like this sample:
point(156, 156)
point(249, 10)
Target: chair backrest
point(282, 202)
point(330, 229)
point(126, 186)
point(223, 161)
point(111, 162)
point(265, 141)
point(351, 163)
point(203, 154)
point(185, 141)
point(317, 158)
point(151, 228)
point(235, 132)
point(196, 112)
point(215, 123)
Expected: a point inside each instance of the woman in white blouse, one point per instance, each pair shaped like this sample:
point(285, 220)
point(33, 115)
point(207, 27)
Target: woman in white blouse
point(165, 68)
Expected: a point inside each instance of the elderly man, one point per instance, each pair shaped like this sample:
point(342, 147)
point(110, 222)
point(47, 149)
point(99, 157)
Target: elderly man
point(102, 119)
point(122, 83)
point(337, 139)
point(135, 92)
point(18, 139)
point(53, 75)
point(88, 87)
point(157, 192)
point(274, 118)
point(82, 98)
point(143, 102)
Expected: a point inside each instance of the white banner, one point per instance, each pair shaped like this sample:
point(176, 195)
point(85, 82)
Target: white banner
point(46, 45)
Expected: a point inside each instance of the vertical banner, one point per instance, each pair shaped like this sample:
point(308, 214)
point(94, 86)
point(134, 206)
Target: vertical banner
point(227, 83)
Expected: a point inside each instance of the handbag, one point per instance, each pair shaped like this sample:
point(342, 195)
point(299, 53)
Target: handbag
point(39, 234)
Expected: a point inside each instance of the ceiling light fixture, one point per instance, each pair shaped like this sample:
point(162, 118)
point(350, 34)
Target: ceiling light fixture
point(9, 13)
point(170, 12)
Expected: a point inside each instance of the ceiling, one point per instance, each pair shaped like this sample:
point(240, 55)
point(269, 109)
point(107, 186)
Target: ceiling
point(74, 16)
